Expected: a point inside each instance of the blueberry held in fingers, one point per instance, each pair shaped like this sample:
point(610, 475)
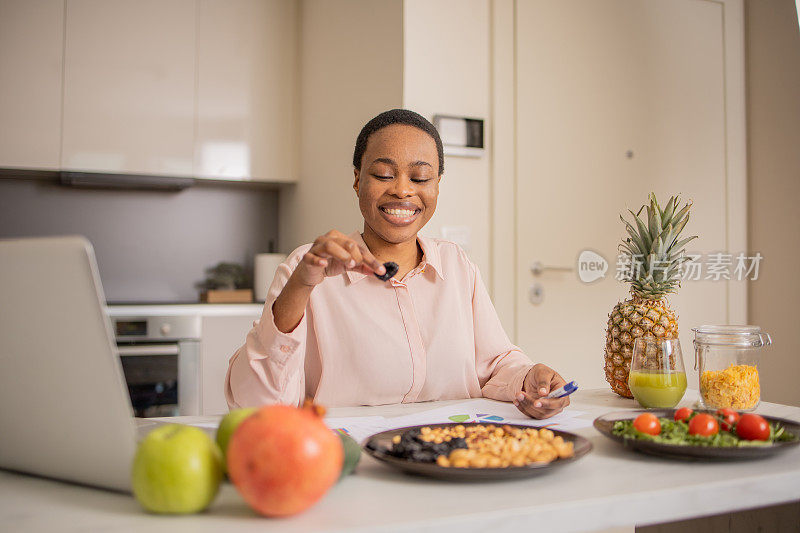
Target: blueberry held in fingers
point(391, 269)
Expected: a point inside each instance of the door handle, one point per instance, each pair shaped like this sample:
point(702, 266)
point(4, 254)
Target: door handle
point(538, 268)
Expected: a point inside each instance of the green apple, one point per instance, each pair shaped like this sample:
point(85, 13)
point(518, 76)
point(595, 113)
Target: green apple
point(226, 428)
point(177, 470)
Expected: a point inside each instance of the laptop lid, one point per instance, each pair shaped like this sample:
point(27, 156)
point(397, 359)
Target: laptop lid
point(64, 408)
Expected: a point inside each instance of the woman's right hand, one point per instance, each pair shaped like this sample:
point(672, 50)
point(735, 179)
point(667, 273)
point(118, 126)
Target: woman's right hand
point(333, 253)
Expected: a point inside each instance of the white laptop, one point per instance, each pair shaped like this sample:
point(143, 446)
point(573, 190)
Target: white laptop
point(65, 412)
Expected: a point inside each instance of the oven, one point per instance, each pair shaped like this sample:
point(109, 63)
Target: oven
point(160, 358)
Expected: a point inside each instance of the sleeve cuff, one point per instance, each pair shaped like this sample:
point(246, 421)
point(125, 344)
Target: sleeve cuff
point(279, 345)
point(516, 383)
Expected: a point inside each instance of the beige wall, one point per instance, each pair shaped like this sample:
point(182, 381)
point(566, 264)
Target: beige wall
point(503, 163)
point(773, 131)
point(361, 57)
point(351, 58)
point(446, 72)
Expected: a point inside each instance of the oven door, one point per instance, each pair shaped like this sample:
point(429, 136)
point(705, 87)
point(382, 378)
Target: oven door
point(163, 377)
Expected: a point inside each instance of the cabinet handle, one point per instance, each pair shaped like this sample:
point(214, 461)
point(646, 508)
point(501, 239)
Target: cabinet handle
point(148, 349)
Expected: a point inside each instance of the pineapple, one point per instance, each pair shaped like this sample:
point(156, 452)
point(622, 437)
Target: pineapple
point(656, 254)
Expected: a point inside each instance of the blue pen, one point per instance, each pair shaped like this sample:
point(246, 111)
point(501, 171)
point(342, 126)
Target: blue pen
point(566, 390)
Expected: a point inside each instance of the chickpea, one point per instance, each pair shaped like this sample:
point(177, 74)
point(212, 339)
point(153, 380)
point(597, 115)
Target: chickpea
point(459, 453)
point(479, 461)
point(565, 451)
point(548, 455)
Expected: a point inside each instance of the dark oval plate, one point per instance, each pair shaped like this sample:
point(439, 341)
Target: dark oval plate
point(604, 424)
point(378, 444)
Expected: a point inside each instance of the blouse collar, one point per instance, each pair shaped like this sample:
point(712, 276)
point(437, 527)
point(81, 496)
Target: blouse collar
point(430, 256)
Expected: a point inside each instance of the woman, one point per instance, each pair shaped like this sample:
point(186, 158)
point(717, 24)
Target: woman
point(333, 331)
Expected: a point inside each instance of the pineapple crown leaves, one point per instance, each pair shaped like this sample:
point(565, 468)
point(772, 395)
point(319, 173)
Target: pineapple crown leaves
point(654, 247)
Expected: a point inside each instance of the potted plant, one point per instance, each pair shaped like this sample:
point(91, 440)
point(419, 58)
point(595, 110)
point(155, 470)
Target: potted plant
point(225, 283)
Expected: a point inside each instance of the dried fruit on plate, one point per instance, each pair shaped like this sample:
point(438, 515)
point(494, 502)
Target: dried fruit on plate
point(481, 446)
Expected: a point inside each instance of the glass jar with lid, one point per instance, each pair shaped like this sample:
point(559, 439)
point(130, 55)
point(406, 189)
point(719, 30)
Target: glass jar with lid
point(727, 358)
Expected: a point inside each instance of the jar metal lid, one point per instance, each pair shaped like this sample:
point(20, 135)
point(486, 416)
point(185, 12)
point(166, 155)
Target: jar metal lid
point(734, 335)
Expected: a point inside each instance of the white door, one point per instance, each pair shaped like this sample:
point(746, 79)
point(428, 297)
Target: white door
point(615, 99)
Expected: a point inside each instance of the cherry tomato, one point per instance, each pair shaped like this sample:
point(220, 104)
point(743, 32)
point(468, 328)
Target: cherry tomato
point(729, 418)
point(703, 425)
point(752, 427)
point(683, 413)
point(647, 423)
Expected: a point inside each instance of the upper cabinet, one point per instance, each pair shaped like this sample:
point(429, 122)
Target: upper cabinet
point(31, 50)
point(246, 90)
point(129, 86)
point(203, 88)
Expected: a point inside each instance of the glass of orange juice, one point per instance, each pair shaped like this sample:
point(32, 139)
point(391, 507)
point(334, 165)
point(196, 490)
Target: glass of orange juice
point(657, 377)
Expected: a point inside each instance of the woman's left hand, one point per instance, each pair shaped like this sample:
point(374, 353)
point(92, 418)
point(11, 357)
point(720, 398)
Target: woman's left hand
point(539, 381)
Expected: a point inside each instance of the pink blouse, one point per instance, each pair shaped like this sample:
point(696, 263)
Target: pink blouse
point(434, 335)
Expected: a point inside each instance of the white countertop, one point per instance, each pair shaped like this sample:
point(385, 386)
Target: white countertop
point(610, 487)
point(185, 310)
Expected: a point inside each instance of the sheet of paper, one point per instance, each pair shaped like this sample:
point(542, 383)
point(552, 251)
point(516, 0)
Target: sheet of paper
point(358, 427)
point(488, 412)
point(477, 410)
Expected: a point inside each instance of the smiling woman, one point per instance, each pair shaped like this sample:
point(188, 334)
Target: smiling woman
point(332, 331)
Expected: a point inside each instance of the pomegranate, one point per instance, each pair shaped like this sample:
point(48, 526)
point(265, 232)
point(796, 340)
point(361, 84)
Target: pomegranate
point(283, 459)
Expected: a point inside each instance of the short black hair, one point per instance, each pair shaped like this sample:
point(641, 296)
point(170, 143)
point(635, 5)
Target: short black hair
point(396, 116)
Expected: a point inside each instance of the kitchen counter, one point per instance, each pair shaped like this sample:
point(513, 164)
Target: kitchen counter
point(185, 309)
point(609, 488)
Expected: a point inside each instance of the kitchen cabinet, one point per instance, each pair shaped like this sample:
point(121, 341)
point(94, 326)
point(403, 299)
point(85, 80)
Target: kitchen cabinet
point(203, 88)
point(129, 86)
point(31, 50)
point(246, 87)
point(221, 336)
